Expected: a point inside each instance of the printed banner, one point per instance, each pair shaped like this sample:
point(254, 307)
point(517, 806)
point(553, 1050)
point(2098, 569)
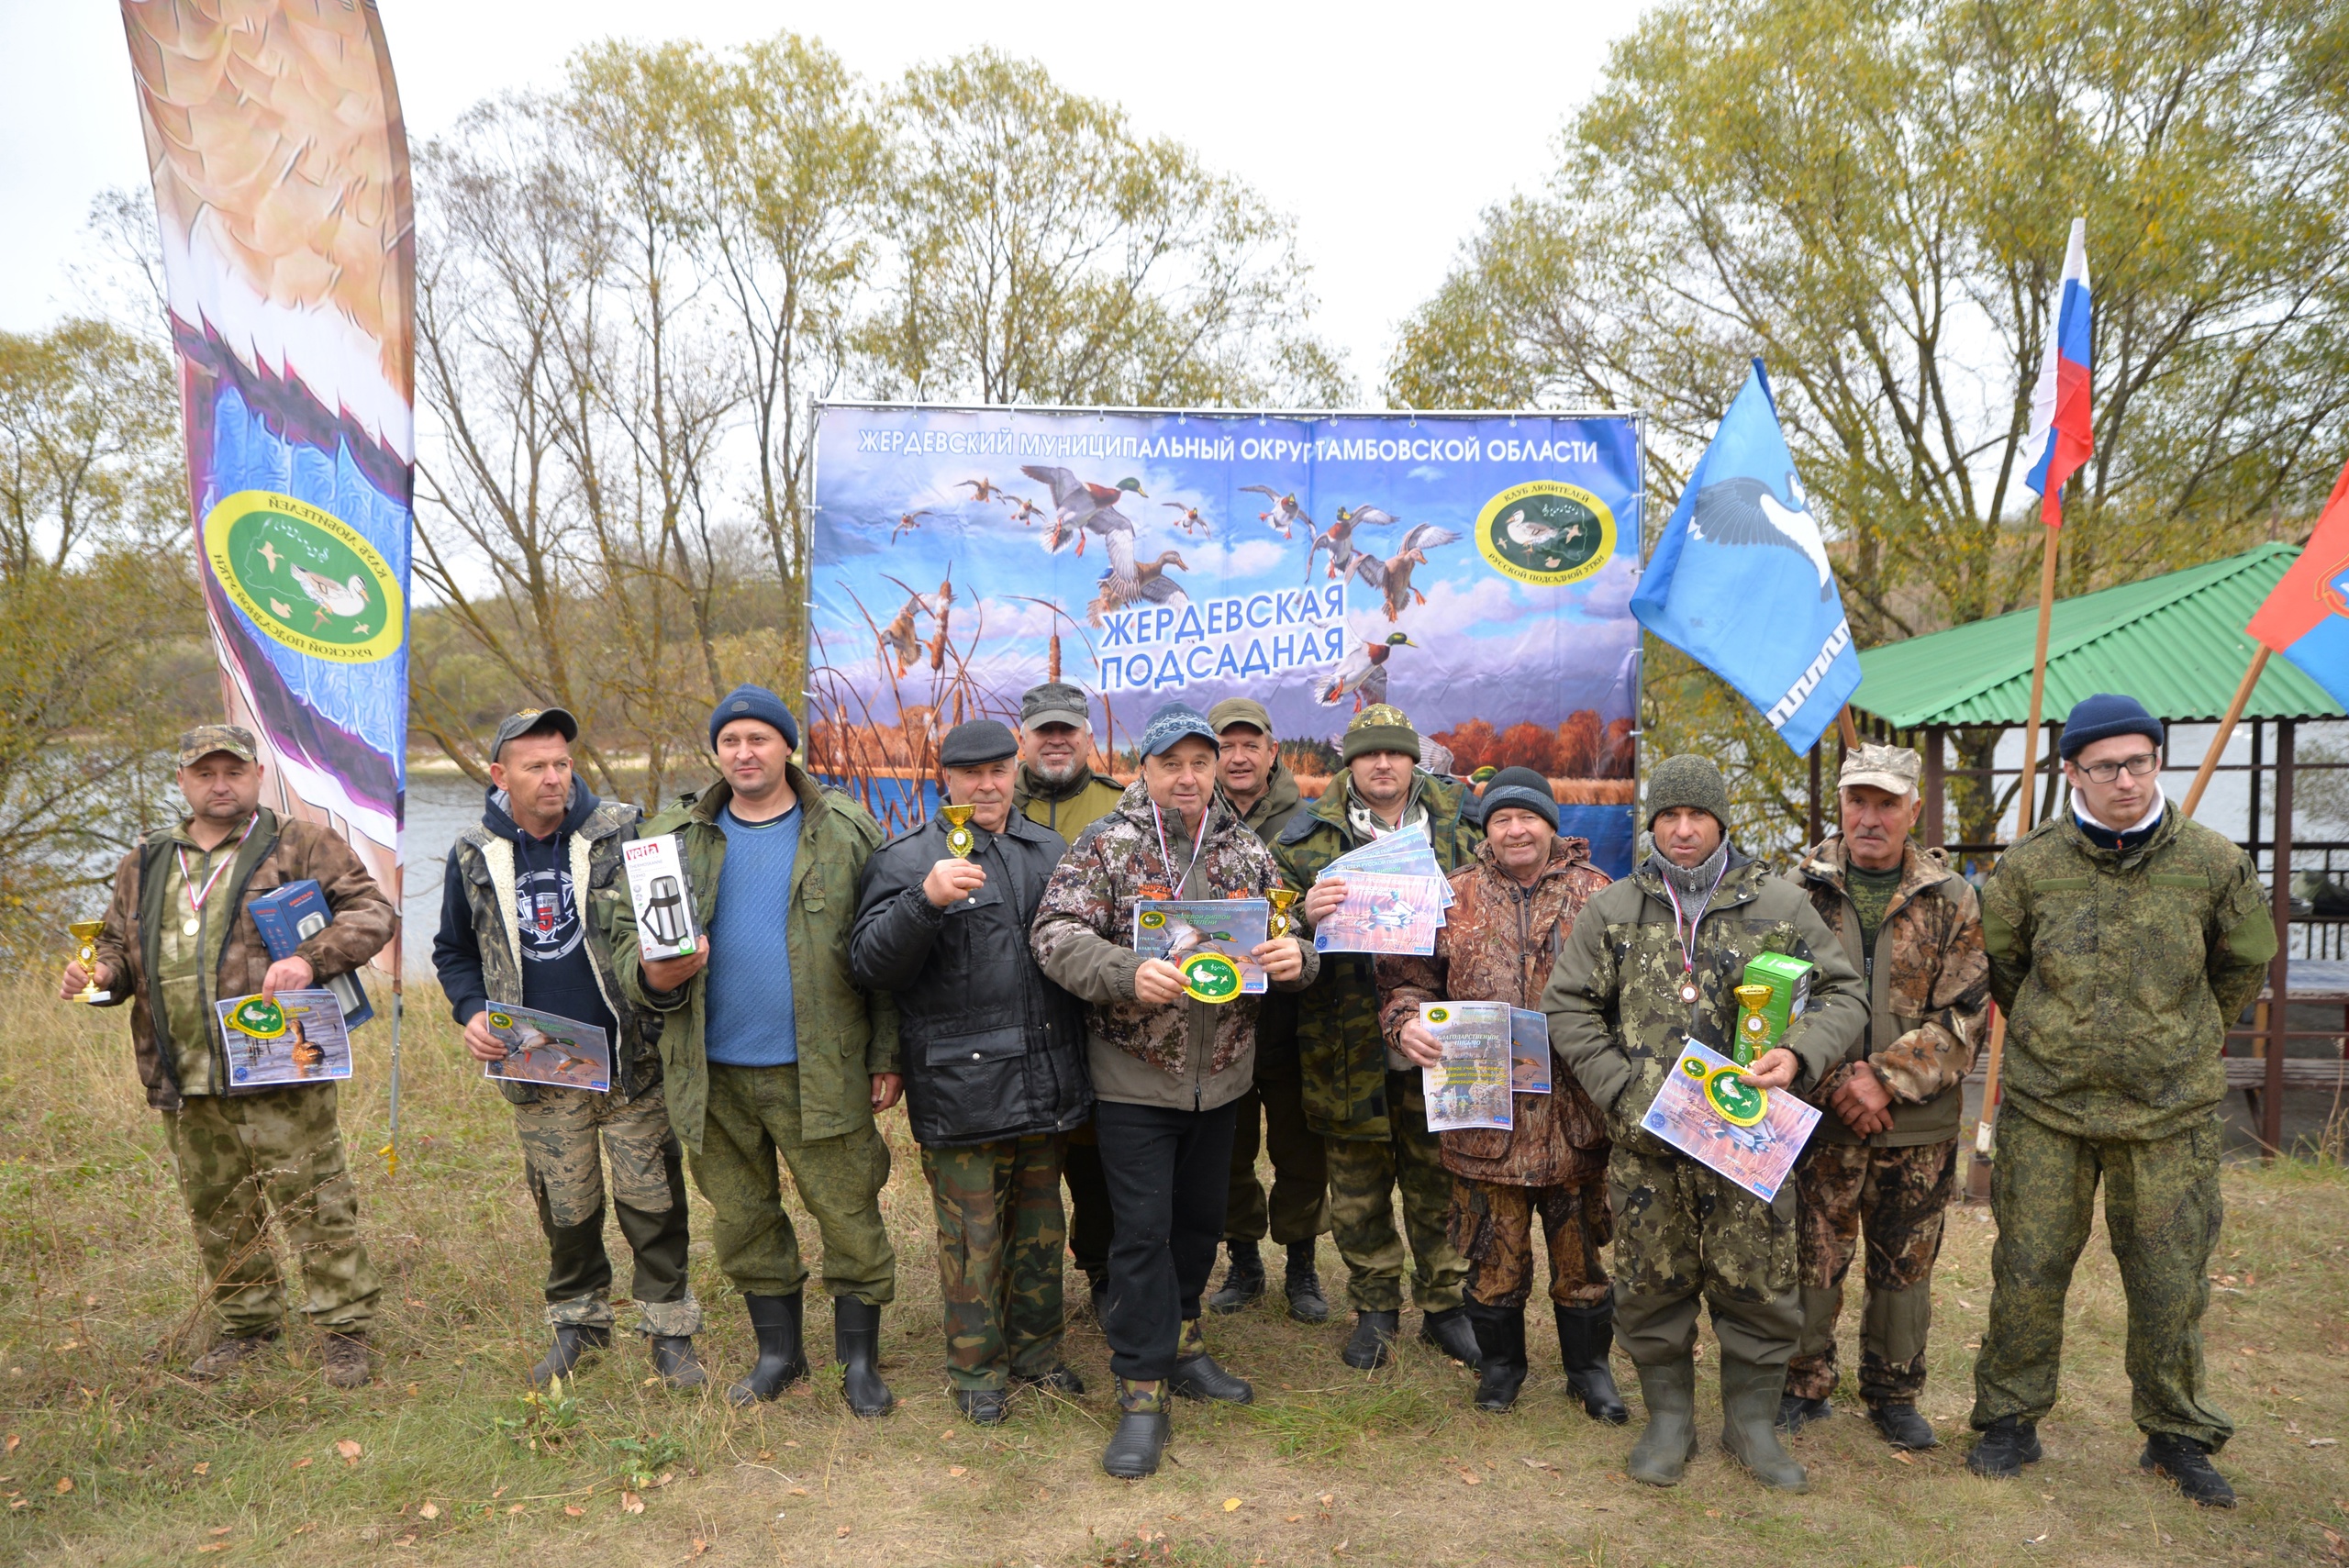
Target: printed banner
point(280, 166)
point(1473, 571)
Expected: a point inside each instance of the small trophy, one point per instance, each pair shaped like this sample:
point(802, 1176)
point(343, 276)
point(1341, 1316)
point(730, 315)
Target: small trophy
point(86, 933)
point(1752, 1023)
point(960, 841)
point(1276, 924)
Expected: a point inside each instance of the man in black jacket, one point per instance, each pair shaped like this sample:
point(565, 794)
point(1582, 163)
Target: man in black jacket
point(994, 1061)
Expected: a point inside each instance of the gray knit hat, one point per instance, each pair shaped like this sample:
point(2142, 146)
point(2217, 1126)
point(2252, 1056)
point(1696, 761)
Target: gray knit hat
point(1686, 780)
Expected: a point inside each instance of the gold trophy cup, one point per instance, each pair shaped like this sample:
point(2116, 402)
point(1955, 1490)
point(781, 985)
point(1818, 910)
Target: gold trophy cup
point(85, 932)
point(1282, 897)
point(960, 841)
point(1753, 1027)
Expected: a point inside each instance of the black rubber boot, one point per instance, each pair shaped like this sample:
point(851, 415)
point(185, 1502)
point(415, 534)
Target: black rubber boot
point(1585, 1336)
point(1243, 1281)
point(1450, 1332)
point(572, 1343)
point(985, 1406)
point(2186, 1462)
point(1141, 1439)
point(1196, 1376)
point(856, 1345)
point(1062, 1379)
point(1306, 1302)
point(1750, 1396)
point(1796, 1412)
point(1661, 1456)
point(673, 1359)
point(1500, 1355)
point(2006, 1447)
point(782, 1359)
point(1903, 1427)
point(1372, 1343)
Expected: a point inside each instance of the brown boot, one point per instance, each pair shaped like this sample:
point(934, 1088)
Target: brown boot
point(347, 1360)
point(226, 1355)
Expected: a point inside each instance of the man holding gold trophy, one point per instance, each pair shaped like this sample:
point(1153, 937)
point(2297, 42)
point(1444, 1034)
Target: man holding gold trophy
point(994, 1057)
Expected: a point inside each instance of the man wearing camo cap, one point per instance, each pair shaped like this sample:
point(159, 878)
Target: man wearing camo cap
point(177, 940)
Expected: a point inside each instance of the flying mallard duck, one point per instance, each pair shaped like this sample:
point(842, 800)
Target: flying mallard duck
point(1340, 539)
point(333, 598)
point(898, 637)
point(1285, 512)
point(1190, 522)
point(982, 489)
point(906, 523)
point(1128, 579)
point(1079, 505)
point(1745, 511)
point(1394, 575)
point(1363, 672)
point(1023, 511)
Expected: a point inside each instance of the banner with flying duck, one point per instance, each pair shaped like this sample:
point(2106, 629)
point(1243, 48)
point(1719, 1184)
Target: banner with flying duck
point(1473, 570)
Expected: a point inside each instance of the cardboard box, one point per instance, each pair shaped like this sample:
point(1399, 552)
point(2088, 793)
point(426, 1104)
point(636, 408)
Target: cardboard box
point(288, 916)
point(657, 886)
point(1789, 979)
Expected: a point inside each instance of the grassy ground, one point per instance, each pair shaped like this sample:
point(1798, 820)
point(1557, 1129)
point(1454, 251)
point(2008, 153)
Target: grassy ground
point(110, 1459)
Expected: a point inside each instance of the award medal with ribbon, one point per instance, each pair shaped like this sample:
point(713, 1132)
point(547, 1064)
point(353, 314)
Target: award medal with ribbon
point(1687, 937)
point(195, 899)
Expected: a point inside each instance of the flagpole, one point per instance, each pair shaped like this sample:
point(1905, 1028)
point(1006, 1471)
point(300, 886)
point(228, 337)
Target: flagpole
point(2038, 686)
point(2226, 729)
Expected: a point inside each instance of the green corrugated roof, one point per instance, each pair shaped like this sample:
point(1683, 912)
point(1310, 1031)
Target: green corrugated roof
point(2175, 642)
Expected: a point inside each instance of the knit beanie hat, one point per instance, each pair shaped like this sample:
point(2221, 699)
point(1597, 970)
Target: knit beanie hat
point(1380, 728)
point(1685, 780)
point(748, 701)
point(2104, 716)
point(1522, 789)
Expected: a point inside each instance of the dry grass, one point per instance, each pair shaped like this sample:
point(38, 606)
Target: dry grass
point(95, 1267)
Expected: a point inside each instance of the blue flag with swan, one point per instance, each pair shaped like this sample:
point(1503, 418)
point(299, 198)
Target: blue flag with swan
point(1740, 581)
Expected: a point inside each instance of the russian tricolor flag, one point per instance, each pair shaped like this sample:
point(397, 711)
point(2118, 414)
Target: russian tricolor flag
point(2307, 618)
point(2061, 437)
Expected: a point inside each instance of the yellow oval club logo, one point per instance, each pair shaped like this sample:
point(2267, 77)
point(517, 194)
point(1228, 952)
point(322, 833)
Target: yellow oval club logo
point(1438, 1015)
point(1739, 1102)
point(307, 579)
point(1211, 978)
point(1546, 532)
point(259, 1018)
point(500, 1021)
point(1152, 918)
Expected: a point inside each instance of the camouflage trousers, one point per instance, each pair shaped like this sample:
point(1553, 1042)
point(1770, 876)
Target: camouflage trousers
point(1492, 1227)
point(2162, 1211)
point(752, 1120)
point(1895, 1198)
point(567, 1137)
point(1686, 1235)
point(1363, 1176)
point(244, 1159)
point(1272, 1116)
point(999, 1240)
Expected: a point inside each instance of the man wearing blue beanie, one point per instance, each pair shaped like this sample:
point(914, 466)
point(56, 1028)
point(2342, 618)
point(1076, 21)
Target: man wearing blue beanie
point(770, 1048)
point(2124, 938)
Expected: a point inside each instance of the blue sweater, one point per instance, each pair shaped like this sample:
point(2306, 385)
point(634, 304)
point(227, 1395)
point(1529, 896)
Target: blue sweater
point(746, 1012)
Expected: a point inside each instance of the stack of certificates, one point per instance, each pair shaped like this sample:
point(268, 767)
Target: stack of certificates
point(1396, 896)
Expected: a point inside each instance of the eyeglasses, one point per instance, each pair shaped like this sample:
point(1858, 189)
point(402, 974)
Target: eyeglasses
point(2141, 764)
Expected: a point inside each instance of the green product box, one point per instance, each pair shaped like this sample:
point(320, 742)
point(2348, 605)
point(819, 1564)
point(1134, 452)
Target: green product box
point(1789, 979)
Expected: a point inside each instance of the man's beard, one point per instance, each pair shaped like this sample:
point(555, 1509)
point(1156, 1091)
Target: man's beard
point(1059, 776)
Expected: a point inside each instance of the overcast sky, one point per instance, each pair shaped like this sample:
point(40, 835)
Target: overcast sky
point(1383, 130)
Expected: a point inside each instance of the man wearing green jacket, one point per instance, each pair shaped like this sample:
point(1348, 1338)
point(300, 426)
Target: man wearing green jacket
point(1363, 1099)
point(769, 1047)
point(2124, 938)
point(1652, 962)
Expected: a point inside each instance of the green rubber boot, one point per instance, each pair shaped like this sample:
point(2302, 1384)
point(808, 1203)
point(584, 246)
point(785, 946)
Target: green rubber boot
point(1661, 1456)
point(1750, 1396)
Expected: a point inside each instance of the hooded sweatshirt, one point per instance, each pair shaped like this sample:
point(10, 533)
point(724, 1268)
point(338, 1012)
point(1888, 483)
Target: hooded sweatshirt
point(557, 975)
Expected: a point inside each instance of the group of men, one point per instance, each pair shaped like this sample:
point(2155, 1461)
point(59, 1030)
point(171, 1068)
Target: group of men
point(988, 974)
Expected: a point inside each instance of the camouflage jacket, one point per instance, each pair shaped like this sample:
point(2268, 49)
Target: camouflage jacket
point(1067, 809)
point(845, 1035)
point(2121, 972)
point(1276, 1018)
point(1188, 1055)
point(1498, 944)
point(1341, 1048)
point(1928, 989)
point(1616, 1016)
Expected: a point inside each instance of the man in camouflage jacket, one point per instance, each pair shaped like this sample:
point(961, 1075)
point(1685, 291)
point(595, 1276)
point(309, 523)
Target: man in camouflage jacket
point(1363, 1099)
point(1883, 1160)
point(1498, 943)
point(1650, 963)
point(2124, 940)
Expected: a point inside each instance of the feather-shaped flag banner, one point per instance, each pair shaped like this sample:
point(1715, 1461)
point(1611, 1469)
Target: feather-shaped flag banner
point(281, 175)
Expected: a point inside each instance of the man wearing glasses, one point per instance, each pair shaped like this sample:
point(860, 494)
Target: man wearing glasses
point(2124, 939)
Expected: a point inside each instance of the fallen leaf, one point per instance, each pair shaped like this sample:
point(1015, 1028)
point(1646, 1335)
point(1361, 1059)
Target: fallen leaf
point(496, 1492)
point(1902, 1455)
point(958, 1470)
point(1712, 1513)
point(631, 1503)
point(407, 1538)
point(2324, 1442)
point(765, 1455)
point(800, 1491)
point(1230, 1504)
point(65, 1485)
point(1538, 1464)
point(574, 1510)
point(429, 1511)
point(842, 1533)
point(15, 1442)
point(214, 1546)
point(303, 1464)
point(204, 1469)
point(1328, 1498)
point(21, 1503)
point(515, 1508)
point(1470, 1478)
point(224, 1530)
point(306, 1529)
point(348, 1449)
point(791, 1442)
point(1293, 1518)
point(700, 1546)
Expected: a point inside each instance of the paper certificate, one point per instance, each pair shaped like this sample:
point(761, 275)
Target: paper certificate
point(1471, 1089)
point(1529, 1034)
point(1749, 1135)
point(1383, 913)
point(544, 1048)
point(299, 1038)
point(1187, 932)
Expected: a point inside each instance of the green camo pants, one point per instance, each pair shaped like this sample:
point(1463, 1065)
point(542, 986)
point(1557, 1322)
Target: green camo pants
point(1364, 1174)
point(1686, 1234)
point(1895, 1200)
point(561, 1132)
point(243, 1159)
point(1273, 1114)
point(999, 1240)
point(753, 1116)
point(2162, 1211)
